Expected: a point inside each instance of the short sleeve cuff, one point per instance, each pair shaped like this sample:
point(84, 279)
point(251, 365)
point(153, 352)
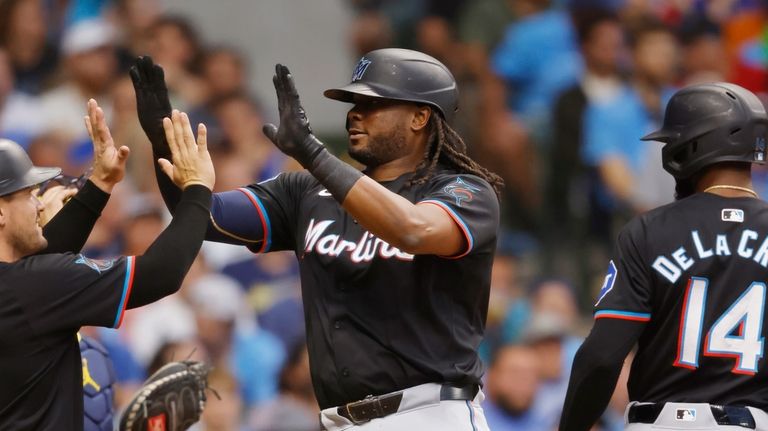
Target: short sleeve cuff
point(459, 222)
point(623, 315)
point(130, 263)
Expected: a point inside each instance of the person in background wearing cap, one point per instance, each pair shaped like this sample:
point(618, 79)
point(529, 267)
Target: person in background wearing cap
point(549, 336)
point(90, 67)
point(48, 291)
point(234, 342)
point(395, 261)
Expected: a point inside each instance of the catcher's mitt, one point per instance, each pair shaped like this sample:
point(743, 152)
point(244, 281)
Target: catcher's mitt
point(172, 399)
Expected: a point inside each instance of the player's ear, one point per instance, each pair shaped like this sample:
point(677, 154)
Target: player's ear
point(420, 117)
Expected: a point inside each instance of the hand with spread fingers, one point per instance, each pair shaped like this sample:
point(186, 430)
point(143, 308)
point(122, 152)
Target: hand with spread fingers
point(53, 200)
point(294, 136)
point(152, 102)
point(191, 161)
point(108, 160)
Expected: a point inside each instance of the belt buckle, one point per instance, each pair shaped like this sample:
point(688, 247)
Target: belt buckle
point(368, 399)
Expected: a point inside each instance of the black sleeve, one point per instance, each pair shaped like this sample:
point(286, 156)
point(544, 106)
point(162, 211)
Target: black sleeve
point(278, 201)
point(162, 268)
point(472, 204)
point(596, 368)
point(260, 216)
point(627, 291)
point(68, 230)
point(65, 291)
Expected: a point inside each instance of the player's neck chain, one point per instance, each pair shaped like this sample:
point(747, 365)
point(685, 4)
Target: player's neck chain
point(730, 187)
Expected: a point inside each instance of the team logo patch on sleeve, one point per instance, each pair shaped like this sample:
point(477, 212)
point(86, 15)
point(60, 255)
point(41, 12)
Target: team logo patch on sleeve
point(732, 215)
point(97, 265)
point(461, 191)
point(610, 279)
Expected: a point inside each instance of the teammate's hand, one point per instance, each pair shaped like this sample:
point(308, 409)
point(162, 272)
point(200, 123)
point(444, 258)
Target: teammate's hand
point(108, 161)
point(152, 103)
point(53, 201)
point(294, 137)
point(191, 162)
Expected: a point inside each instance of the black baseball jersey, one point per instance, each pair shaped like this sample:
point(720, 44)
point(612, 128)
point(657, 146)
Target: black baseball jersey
point(379, 319)
point(44, 300)
point(696, 272)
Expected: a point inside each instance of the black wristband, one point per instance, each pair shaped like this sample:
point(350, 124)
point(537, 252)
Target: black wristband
point(337, 177)
point(312, 148)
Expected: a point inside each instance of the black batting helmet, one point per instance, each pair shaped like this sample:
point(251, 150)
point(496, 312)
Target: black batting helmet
point(402, 74)
point(17, 171)
point(711, 123)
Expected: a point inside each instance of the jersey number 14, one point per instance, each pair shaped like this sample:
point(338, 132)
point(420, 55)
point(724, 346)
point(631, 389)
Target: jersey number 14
point(736, 334)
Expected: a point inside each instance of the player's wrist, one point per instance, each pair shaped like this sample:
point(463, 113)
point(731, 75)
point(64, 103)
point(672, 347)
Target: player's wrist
point(337, 176)
point(104, 185)
point(196, 181)
point(312, 149)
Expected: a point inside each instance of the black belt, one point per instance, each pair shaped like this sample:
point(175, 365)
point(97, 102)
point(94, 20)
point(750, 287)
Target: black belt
point(724, 415)
point(373, 407)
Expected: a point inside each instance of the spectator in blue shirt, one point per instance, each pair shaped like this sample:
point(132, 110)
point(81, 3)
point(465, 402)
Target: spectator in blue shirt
point(538, 58)
point(629, 170)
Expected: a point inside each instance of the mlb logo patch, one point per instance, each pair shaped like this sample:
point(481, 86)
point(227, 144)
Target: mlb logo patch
point(732, 215)
point(760, 149)
point(685, 415)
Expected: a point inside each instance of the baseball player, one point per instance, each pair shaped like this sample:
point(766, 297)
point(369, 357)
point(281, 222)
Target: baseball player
point(47, 292)
point(688, 283)
point(395, 261)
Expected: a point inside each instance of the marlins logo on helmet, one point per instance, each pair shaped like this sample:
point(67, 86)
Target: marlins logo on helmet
point(360, 69)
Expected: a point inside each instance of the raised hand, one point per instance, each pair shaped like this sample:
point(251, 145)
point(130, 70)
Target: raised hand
point(294, 136)
point(152, 101)
point(53, 200)
point(108, 161)
point(191, 162)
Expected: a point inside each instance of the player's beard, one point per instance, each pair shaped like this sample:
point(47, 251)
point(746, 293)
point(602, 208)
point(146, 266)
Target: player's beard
point(27, 241)
point(381, 149)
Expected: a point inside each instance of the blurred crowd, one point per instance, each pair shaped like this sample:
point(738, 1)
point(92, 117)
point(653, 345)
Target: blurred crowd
point(555, 95)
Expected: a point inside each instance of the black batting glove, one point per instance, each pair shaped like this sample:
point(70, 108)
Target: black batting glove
point(152, 102)
point(294, 136)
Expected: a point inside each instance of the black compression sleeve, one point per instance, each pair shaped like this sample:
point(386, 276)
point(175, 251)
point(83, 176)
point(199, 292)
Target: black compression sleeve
point(171, 194)
point(595, 370)
point(160, 271)
point(68, 230)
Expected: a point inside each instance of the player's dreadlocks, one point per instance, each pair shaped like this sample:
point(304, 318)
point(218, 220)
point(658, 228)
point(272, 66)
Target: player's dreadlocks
point(446, 146)
point(684, 188)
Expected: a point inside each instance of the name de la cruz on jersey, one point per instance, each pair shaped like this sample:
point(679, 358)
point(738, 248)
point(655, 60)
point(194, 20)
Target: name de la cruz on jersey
point(362, 250)
point(748, 246)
